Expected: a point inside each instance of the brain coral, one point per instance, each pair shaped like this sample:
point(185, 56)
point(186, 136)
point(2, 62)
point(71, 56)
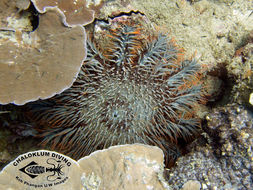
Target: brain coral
point(136, 88)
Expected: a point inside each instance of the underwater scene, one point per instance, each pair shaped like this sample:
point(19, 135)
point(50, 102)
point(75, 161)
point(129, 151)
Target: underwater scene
point(126, 94)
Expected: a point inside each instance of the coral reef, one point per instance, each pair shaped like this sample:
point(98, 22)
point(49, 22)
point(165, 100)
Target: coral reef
point(30, 61)
point(75, 12)
point(240, 71)
point(221, 33)
point(138, 88)
point(11, 18)
point(212, 28)
point(22, 4)
point(124, 167)
point(132, 167)
point(225, 161)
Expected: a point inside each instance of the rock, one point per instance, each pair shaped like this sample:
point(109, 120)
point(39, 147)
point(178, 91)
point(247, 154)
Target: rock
point(251, 99)
point(134, 167)
point(224, 158)
point(124, 167)
point(191, 185)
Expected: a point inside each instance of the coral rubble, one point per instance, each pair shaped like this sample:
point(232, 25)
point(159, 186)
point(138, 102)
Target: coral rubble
point(226, 161)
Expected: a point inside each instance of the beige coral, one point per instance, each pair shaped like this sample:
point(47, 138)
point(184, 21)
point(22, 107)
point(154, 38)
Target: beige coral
point(134, 167)
point(22, 4)
point(42, 63)
point(76, 12)
point(9, 9)
point(124, 167)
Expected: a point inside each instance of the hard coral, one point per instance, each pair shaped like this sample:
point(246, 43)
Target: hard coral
point(134, 167)
point(76, 12)
point(8, 10)
point(125, 167)
point(137, 89)
point(22, 4)
point(42, 63)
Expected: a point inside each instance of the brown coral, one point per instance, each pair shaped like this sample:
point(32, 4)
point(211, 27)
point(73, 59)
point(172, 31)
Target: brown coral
point(30, 61)
point(77, 12)
point(9, 9)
